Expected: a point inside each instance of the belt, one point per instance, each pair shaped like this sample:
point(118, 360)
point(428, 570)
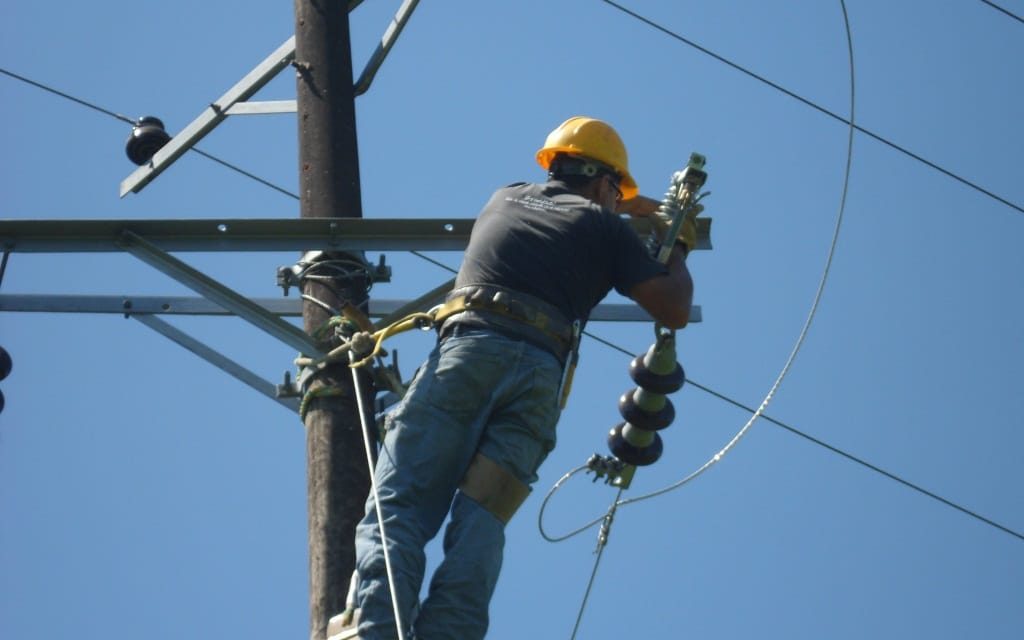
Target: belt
point(508, 312)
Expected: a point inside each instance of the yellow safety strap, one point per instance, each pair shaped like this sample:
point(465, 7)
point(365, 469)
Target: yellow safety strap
point(411, 321)
point(436, 317)
point(537, 320)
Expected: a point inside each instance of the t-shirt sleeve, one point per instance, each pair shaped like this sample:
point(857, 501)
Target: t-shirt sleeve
point(632, 264)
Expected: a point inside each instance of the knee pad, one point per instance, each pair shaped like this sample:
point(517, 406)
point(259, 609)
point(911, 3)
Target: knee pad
point(494, 488)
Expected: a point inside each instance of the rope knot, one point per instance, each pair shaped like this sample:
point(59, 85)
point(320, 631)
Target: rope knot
point(362, 344)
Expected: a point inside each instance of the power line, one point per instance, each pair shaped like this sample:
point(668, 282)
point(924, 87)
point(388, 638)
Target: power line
point(124, 118)
point(998, 8)
point(246, 173)
point(84, 103)
point(3, 265)
point(813, 105)
point(833, 449)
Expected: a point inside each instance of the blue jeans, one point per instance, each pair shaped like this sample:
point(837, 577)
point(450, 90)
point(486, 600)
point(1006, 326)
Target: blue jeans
point(479, 391)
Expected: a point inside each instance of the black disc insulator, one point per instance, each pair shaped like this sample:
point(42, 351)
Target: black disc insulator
point(649, 420)
point(630, 453)
point(147, 137)
point(5, 363)
point(656, 382)
point(1, 401)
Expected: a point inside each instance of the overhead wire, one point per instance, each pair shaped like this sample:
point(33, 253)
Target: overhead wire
point(84, 103)
point(133, 122)
point(589, 334)
point(245, 173)
point(821, 443)
point(3, 265)
point(814, 105)
point(1003, 10)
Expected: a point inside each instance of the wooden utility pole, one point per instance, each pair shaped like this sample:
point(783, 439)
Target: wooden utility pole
point(337, 477)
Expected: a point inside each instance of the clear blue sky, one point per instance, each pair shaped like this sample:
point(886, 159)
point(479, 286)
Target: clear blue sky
point(144, 492)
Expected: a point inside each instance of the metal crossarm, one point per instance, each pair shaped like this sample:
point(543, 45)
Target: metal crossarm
point(210, 118)
point(260, 234)
point(218, 293)
point(193, 306)
point(247, 234)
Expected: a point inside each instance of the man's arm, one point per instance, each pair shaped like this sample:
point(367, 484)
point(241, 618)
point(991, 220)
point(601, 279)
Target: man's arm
point(668, 297)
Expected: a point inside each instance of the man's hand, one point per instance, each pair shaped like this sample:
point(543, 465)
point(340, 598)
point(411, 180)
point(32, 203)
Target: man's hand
point(688, 230)
point(644, 207)
point(639, 207)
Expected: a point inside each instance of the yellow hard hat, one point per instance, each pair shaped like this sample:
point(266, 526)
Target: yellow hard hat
point(594, 139)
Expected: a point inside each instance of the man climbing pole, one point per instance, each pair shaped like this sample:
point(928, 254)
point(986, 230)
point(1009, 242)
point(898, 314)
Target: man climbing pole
point(479, 417)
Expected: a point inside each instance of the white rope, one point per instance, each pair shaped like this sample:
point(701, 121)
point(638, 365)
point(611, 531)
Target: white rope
point(376, 497)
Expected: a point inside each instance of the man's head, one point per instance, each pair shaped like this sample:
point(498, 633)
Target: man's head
point(588, 154)
point(589, 178)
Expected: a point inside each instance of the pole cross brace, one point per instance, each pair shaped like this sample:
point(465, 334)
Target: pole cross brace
point(219, 293)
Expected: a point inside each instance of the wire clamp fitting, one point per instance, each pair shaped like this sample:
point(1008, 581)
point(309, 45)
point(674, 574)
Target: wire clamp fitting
point(323, 267)
point(605, 468)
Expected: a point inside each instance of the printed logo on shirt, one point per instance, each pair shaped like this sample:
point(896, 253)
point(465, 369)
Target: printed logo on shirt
point(537, 204)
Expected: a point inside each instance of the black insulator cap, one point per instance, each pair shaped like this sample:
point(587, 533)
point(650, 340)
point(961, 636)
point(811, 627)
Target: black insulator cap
point(656, 382)
point(5, 363)
point(632, 454)
point(642, 418)
point(148, 136)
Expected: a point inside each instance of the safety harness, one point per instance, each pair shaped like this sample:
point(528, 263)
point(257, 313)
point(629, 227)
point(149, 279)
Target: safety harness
point(511, 312)
point(518, 315)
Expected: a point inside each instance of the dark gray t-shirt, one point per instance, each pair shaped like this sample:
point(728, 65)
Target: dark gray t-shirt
point(545, 241)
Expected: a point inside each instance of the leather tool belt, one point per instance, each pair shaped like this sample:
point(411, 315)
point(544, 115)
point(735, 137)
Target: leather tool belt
point(509, 312)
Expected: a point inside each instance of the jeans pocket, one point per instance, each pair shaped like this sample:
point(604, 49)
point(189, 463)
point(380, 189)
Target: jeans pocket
point(460, 378)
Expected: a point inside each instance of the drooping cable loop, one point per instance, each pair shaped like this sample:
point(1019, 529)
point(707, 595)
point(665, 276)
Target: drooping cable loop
point(544, 505)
